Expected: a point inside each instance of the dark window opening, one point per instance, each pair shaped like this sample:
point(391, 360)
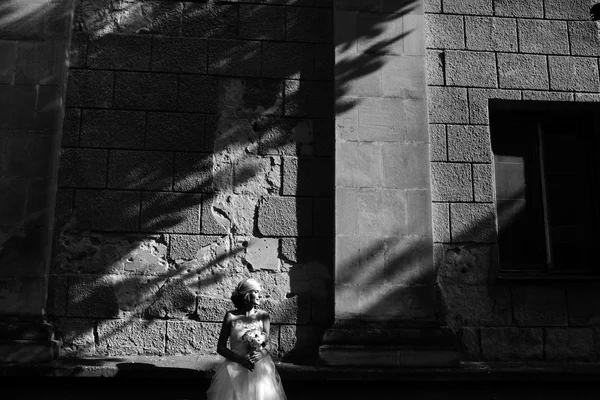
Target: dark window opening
point(547, 185)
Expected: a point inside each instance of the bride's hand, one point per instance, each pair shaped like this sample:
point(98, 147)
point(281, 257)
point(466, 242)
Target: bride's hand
point(247, 363)
point(257, 355)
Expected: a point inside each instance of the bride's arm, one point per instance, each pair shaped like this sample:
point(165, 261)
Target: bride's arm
point(222, 348)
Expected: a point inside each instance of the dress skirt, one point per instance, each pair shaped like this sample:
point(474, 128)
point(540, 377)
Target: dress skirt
point(235, 382)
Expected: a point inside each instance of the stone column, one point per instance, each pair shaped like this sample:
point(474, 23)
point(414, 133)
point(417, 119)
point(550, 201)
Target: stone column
point(34, 38)
point(385, 298)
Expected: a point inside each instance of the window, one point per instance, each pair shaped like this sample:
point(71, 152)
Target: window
point(547, 186)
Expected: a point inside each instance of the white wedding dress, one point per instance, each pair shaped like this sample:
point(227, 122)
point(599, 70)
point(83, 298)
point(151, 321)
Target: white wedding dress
point(235, 382)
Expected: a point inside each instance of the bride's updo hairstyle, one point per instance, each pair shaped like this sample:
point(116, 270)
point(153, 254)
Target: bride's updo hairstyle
point(240, 295)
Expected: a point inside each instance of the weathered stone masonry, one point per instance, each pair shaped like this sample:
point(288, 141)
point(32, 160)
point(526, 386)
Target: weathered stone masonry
point(502, 49)
point(197, 150)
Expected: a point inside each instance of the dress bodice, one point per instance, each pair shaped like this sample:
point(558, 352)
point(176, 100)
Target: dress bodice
point(238, 328)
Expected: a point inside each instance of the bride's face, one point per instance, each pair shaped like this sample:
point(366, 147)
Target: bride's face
point(254, 297)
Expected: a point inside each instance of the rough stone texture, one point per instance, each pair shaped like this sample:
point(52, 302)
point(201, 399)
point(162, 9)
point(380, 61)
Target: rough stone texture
point(234, 57)
point(87, 88)
point(567, 9)
point(262, 254)
point(299, 343)
point(444, 31)
point(280, 216)
point(91, 175)
point(473, 222)
point(451, 182)
point(438, 149)
point(465, 264)
point(447, 105)
point(119, 52)
point(478, 102)
point(519, 8)
point(547, 96)
point(574, 73)
point(520, 71)
point(503, 344)
point(145, 91)
point(584, 305)
point(483, 7)
point(174, 299)
point(470, 344)
point(175, 131)
point(120, 337)
point(475, 305)
point(441, 222)
point(187, 55)
point(584, 39)
point(491, 34)
point(470, 68)
point(112, 129)
point(96, 209)
point(170, 212)
point(483, 182)
point(570, 344)
point(301, 176)
point(469, 143)
point(543, 36)
point(435, 67)
point(541, 306)
point(191, 337)
point(77, 336)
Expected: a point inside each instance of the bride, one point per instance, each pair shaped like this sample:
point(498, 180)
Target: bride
point(248, 372)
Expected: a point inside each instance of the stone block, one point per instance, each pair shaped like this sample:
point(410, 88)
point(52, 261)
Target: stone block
point(170, 212)
point(540, 306)
point(299, 343)
point(76, 335)
point(313, 25)
point(164, 18)
point(583, 38)
point(324, 61)
point(71, 125)
point(570, 344)
point(285, 60)
point(108, 210)
point(131, 337)
point(174, 300)
point(384, 302)
point(227, 213)
point(475, 305)
point(193, 173)
point(179, 55)
point(405, 166)
point(307, 176)
point(84, 168)
point(587, 97)
point(512, 344)
point(473, 222)
point(451, 182)
point(444, 31)
point(30, 28)
point(262, 22)
point(234, 57)
point(543, 36)
point(28, 155)
point(210, 20)
point(145, 91)
point(567, 9)
point(262, 254)
point(479, 101)
point(483, 183)
point(380, 33)
point(113, 129)
point(257, 175)
point(466, 264)
point(49, 108)
point(413, 23)
point(186, 247)
point(293, 310)
point(419, 212)
point(573, 73)
point(381, 120)
point(63, 209)
point(122, 52)
point(17, 107)
point(213, 309)
point(7, 64)
point(547, 95)
point(358, 164)
point(435, 67)
point(441, 222)
point(438, 150)
point(191, 337)
point(491, 34)
point(447, 105)
point(284, 216)
point(77, 53)
point(380, 212)
point(402, 76)
point(478, 7)
point(140, 170)
point(470, 68)
point(39, 63)
point(355, 85)
point(432, 6)
point(56, 305)
point(469, 143)
point(308, 99)
point(519, 8)
point(521, 71)
point(175, 131)
point(198, 94)
point(305, 250)
point(583, 305)
point(470, 344)
point(87, 88)
point(92, 296)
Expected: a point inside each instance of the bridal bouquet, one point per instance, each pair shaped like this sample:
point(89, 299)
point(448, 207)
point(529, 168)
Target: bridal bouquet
point(254, 338)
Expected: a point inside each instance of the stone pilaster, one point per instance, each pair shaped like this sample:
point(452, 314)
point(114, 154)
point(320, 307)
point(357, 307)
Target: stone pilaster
point(385, 298)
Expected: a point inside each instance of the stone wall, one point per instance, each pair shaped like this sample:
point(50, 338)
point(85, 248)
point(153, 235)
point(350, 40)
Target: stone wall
point(197, 151)
point(502, 49)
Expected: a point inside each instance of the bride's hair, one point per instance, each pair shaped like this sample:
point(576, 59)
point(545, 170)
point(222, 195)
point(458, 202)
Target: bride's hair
point(239, 296)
